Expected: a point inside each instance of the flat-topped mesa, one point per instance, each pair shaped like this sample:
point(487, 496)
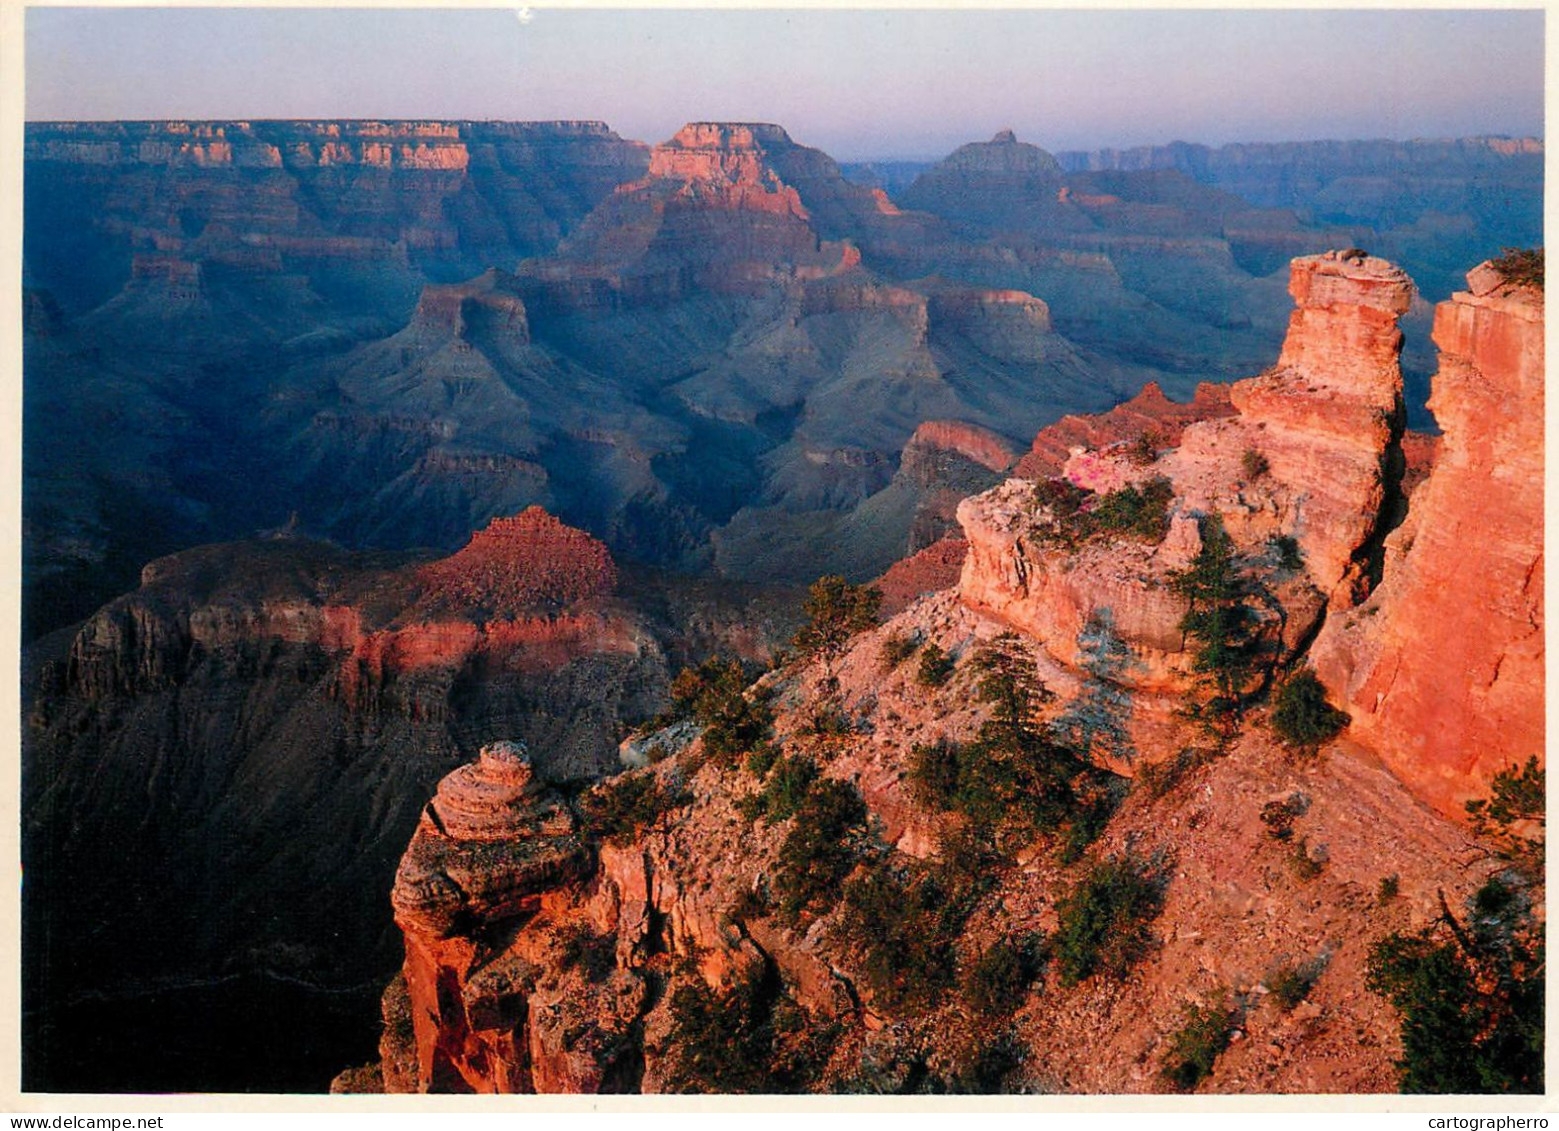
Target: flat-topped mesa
point(1008, 324)
point(1300, 463)
point(729, 135)
point(1443, 667)
point(487, 302)
point(426, 145)
point(521, 564)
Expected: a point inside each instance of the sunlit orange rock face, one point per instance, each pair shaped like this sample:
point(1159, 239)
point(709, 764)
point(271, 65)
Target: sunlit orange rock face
point(1302, 452)
point(726, 163)
point(519, 564)
point(1442, 668)
point(936, 567)
point(490, 845)
point(1150, 412)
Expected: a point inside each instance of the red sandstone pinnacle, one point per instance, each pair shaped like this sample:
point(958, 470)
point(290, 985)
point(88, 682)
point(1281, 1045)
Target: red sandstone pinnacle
point(488, 799)
point(489, 841)
point(520, 564)
point(1443, 667)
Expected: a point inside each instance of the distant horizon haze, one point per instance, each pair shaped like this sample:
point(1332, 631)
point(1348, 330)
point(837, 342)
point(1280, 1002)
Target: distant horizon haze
point(862, 85)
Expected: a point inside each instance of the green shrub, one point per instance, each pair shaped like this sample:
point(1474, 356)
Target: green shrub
point(762, 758)
point(1289, 984)
point(1279, 816)
point(1390, 887)
point(750, 1037)
point(1254, 464)
point(1159, 778)
point(996, 982)
point(1096, 804)
point(1301, 716)
point(1286, 547)
point(786, 789)
point(1221, 625)
point(1139, 512)
point(618, 811)
point(819, 850)
point(1470, 1001)
point(1059, 499)
point(1143, 450)
point(836, 611)
point(1012, 778)
point(906, 923)
point(825, 718)
point(1514, 810)
point(1521, 266)
point(936, 666)
point(1007, 681)
point(986, 1066)
point(1104, 919)
point(1135, 512)
point(1305, 865)
point(896, 649)
point(933, 774)
point(1195, 1047)
point(716, 694)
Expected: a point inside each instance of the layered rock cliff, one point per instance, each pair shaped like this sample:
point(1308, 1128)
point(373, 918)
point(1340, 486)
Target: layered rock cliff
point(1404, 192)
point(1442, 668)
point(1308, 455)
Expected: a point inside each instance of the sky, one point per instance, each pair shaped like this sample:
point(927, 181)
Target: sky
point(859, 84)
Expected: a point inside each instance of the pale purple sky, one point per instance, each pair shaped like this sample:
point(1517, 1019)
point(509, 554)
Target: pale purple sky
point(859, 84)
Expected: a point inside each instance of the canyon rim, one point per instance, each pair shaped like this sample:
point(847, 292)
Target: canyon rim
point(507, 607)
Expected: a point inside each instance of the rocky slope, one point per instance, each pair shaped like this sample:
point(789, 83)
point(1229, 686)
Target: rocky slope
point(813, 905)
point(1442, 668)
point(222, 768)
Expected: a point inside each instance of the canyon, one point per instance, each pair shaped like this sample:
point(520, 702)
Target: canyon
point(379, 478)
point(425, 308)
point(548, 952)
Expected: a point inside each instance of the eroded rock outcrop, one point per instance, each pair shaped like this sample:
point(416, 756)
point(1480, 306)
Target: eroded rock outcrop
point(756, 998)
point(1148, 413)
point(492, 843)
point(1308, 455)
point(1442, 669)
